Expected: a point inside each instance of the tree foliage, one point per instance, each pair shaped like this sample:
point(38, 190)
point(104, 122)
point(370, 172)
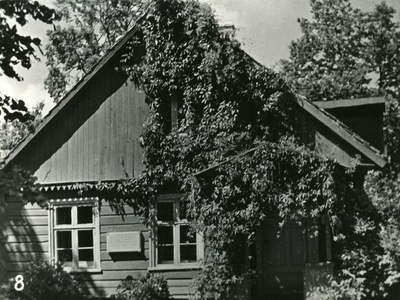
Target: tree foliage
point(12, 133)
point(17, 49)
point(87, 29)
point(341, 49)
point(346, 53)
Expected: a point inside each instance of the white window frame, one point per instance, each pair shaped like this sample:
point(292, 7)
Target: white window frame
point(175, 199)
point(74, 227)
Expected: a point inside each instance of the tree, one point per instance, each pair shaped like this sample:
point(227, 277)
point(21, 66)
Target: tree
point(87, 29)
point(382, 53)
point(341, 49)
point(17, 49)
point(12, 133)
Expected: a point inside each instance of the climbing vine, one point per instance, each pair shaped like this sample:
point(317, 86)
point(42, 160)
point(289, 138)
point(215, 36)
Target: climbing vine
point(235, 121)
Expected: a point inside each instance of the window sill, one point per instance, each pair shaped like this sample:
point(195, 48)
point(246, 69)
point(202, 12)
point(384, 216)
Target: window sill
point(73, 271)
point(175, 268)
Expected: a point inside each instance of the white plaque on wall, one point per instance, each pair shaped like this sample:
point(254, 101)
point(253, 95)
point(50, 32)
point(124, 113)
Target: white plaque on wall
point(130, 241)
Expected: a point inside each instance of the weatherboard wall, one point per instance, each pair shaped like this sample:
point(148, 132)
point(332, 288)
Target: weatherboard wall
point(26, 236)
point(95, 137)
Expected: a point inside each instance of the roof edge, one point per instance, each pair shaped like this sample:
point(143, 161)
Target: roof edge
point(349, 102)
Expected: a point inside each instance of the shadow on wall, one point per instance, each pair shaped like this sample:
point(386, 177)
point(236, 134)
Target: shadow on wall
point(24, 237)
point(2, 255)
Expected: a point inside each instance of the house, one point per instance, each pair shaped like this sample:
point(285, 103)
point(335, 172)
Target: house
point(92, 135)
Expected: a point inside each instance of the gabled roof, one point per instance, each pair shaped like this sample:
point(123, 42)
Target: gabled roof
point(322, 116)
point(69, 96)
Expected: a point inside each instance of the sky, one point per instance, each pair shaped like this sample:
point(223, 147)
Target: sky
point(264, 27)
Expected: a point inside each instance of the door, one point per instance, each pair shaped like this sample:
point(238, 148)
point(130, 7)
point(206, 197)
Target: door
point(280, 261)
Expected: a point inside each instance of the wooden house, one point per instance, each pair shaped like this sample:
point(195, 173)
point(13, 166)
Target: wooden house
point(92, 135)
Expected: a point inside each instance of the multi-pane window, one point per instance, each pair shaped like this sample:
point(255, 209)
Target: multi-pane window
point(175, 243)
point(75, 234)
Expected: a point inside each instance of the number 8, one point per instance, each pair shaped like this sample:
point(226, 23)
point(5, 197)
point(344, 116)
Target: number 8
point(19, 283)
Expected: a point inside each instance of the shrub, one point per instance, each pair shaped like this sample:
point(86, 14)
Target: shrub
point(148, 287)
point(42, 280)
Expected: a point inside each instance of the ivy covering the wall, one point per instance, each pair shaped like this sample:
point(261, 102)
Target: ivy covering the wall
point(238, 116)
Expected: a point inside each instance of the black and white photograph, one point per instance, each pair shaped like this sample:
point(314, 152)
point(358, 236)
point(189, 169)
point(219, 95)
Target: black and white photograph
point(199, 149)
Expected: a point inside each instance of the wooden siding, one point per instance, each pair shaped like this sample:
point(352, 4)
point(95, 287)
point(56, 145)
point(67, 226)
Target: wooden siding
point(96, 137)
point(25, 234)
point(3, 250)
point(180, 283)
point(26, 237)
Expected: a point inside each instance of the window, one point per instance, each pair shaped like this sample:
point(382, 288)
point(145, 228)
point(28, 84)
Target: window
point(172, 111)
point(174, 243)
point(75, 234)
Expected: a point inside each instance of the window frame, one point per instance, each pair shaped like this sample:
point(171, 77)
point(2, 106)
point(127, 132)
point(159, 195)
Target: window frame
point(176, 199)
point(74, 227)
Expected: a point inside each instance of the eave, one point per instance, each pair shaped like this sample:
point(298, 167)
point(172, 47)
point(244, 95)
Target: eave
point(350, 102)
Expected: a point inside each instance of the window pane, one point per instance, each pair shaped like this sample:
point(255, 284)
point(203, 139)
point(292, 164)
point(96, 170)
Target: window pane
point(166, 254)
point(85, 214)
point(64, 239)
point(186, 236)
point(165, 211)
point(63, 215)
point(86, 258)
point(65, 256)
point(165, 235)
point(85, 238)
point(183, 211)
point(188, 253)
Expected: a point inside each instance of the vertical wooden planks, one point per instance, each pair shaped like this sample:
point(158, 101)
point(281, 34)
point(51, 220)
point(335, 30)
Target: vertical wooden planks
point(86, 137)
point(129, 117)
point(91, 135)
point(112, 161)
point(80, 136)
point(95, 137)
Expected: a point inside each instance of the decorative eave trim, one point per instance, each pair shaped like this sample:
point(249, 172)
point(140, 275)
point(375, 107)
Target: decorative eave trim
point(74, 186)
point(76, 199)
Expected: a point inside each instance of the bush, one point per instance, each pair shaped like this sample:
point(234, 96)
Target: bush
point(148, 287)
point(43, 280)
point(345, 289)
